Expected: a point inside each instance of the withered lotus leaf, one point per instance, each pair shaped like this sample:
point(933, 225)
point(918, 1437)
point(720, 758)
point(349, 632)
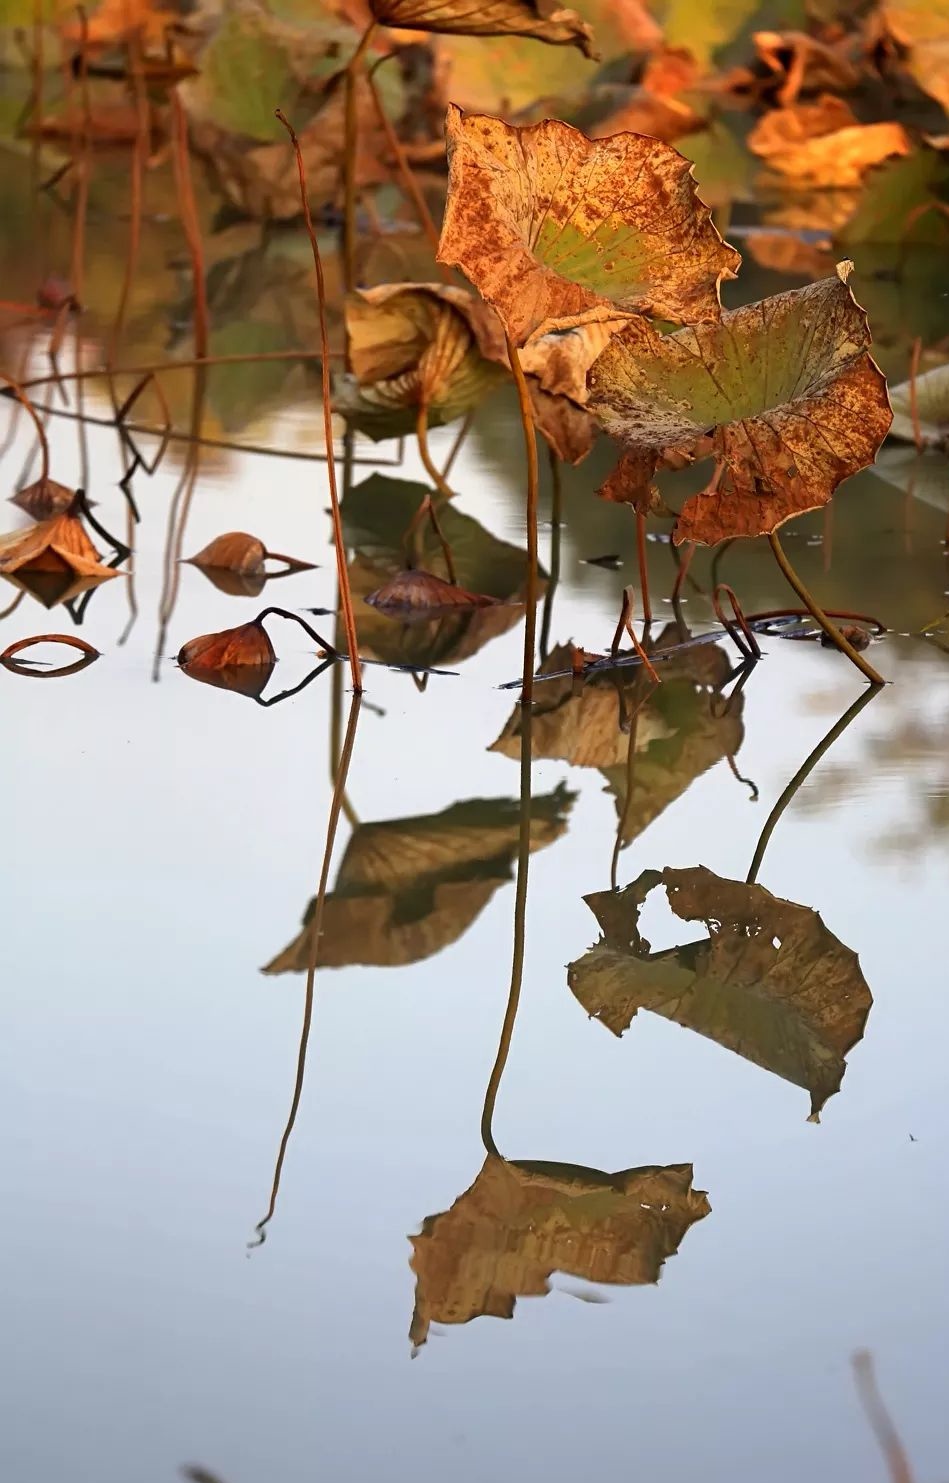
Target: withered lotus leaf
point(239, 659)
point(408, 888)
point(411, 593)
point(822, 144)
point(521, 1222)
point(236, 551)
point(44, 498)
point(59, 544)
point(770, 982)
point(418, 345)
point(784, 388)
point(10, 661)
point(556, 230)
point(923, 27)
point(535, 18)
point(567, 427)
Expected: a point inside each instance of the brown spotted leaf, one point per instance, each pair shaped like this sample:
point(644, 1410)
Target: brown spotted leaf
point(539, 19)
point(521, 1222)
point(784, 389)
point(408, 888)
point(418, 345)
point(770, 981)
point(557, 230)
point(822, 144)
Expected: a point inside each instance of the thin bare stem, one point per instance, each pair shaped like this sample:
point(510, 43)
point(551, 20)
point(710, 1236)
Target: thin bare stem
point(880, 1420)
point(350, 147)
point(412, 188)
point(556, 502)
point(342, 571)
point(460, 436)
point(520, 937)
point(249, 358)
point(626, 622)
point(25, 402)
point(623, 820)
point(316, 929)
point(913, 397)
point(819, 616)
point(530, 446)
point(421, 433)
point(139, 155)
point(189, 221)
point(737, 629)
point(643, 565)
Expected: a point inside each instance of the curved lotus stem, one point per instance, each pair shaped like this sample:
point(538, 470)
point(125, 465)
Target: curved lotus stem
point(819, 616)
point(421, 434)
point(342, 571)
point(25, 402)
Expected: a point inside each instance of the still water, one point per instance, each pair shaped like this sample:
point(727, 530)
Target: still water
point(163, 842)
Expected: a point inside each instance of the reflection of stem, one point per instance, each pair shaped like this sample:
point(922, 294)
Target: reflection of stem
point(130, 579)
point(820, 616)
point(530, 445)
point(316, 928)
point(25, 402)
point(623, 819)
point(643, 566)
point(520, 921)
point(913, 393)
point(806, 767)
point(879, 1419)
point(139, 153)
point(350, 144)
point(556, 502)
point(178, 512)
point(411, 185)
point(189, 221)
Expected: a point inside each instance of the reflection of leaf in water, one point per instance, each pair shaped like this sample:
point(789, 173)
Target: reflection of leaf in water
point(771, 982)
point(889, 205)
point(407, 888)
point(242, 394)
point(520, 1222)
point(932, 402)
point(697, 734)
point(822, 143)
point(677, 737)
point(376, 514)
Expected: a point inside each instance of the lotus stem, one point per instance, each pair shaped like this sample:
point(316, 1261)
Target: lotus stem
point(411, 185)
point(738, 630)
point(819, 616)
point(189, 221)
point(421, 434)
point(191, 363)
point(530, 447)
point(316, 927)
point(879, 1418)
point(913, 397)
point(811, 761)
point(623, 819)
point(350, 143)
point(626, 622)
point(460, 436)
point(643, 565)
point(25, 402)
point(139, 154)
point(342, 571)
point(307, 627)
point(520, 937)
point(683, 571)
point(556, 501)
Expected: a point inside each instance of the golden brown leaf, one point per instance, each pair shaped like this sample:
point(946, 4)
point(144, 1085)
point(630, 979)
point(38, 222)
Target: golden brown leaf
point(557, 230)
point(25, 667)
point(822, 144)
point(568, 428)
point(411, 594)
point(418, 345)
point(239, 659)
point(235, 552)
point(539, 19)
point(784, 388)
point(646, 112)
point(43, 498)
point(923, 27)
point(770, 982)
point(407, 888)
point(786, 252)
point(520, 1222)
point(59, 545)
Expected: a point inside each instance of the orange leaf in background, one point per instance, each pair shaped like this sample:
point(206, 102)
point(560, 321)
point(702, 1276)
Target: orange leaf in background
point(43, 498)
point(557, 230)
point(923, 27)
point(784, 389)
point(535, 18)
point(414, 594)
point(822, 144)
point(804, 63)
point(645, 112)
point(116, 21)
point(59, 545)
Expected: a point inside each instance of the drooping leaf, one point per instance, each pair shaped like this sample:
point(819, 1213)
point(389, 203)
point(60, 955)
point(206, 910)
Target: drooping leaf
point(923, 27)
point(786, 389)
point(543, 20)
point(240, 659)
point(770, 982)
point(408, 888)
point(415, 594)
point(932, 404)
point(57, 545)
point(565, 426)
point(521, 1222)
point(821, 143)
point(236, 551)
point(556, 367)
point(418, 345)
point(557, 230)
point(43, 498)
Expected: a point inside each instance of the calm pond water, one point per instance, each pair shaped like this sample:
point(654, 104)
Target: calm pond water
point(163, 841)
